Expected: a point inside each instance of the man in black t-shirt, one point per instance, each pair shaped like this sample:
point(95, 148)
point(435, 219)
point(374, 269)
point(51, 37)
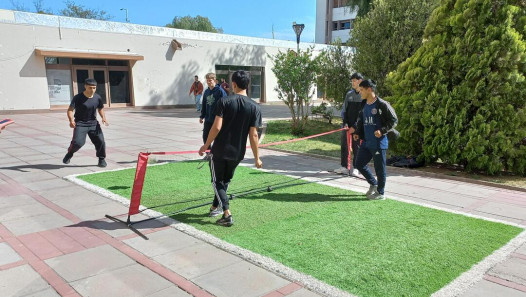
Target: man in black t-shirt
point(85, 122)
point(237, 117)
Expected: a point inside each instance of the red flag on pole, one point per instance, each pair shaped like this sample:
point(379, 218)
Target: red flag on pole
point(138, 183)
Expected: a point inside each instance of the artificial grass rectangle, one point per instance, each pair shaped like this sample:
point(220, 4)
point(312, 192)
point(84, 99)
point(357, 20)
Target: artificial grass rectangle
point(368, 248)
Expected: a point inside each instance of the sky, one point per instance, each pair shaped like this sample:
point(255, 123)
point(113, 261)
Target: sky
point(241, 17)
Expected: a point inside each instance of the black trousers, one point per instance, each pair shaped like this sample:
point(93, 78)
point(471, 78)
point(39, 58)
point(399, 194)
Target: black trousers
point(95, 135)
point(206, 130)
point(345, 150)
point(222, 172)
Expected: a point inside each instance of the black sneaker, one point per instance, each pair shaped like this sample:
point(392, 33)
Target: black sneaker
point(225, 221)
point(102, 163)
point(67, 158)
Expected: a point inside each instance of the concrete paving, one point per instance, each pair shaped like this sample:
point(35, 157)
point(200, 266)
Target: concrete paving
point(55, 240)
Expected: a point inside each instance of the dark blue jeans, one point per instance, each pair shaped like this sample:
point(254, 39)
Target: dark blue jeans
point(364, 156)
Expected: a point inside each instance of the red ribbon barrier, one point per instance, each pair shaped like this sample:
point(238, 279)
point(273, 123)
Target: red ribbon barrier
point(142, 162)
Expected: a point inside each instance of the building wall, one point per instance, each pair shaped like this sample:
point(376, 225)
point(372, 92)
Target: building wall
point(162, 78)
point(334, 15)
point(321, 18)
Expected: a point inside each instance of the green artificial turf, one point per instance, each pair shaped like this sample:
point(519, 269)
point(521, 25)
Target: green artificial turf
point(368, 248)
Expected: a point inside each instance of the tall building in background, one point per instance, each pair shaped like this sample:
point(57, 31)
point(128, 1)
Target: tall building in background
point(333, 20)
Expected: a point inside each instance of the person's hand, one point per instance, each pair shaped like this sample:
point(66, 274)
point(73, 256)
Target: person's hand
point(378, 133)
point(202, 150)
point(72, 124)
point(105, 122)
point(258, 163)
point(356, 137)
point(346, 126)
point(200, 120)
point(352, 130)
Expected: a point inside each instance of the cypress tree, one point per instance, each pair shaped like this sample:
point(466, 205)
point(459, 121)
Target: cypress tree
point(461, 97)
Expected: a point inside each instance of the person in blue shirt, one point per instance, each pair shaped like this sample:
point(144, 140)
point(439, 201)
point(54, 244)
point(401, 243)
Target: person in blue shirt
point(376, 119)
point(212, 94)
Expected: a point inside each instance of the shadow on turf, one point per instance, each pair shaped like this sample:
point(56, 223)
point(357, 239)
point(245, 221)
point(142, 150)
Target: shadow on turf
point(203, 219)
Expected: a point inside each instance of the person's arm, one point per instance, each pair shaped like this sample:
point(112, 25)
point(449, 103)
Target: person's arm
point(191, 89)
point(103, 116)
point(203, 112)
point(200, 88)
point(254, 141)
point(70, 117)
point(216, 127)
point(389, 118)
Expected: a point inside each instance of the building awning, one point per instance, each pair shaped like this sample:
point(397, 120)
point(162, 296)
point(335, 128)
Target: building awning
point(88, 54)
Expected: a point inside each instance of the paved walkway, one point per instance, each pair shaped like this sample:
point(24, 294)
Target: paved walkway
point(55, 241)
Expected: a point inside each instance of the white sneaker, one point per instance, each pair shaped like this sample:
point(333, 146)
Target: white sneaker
point(341, 170)
point(372, 190)
point(376, 196)
point(355, 172)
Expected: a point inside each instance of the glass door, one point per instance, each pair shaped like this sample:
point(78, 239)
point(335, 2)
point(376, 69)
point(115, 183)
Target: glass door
point(99, 74)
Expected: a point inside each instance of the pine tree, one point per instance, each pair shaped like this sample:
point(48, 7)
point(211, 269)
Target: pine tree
point(461, 97)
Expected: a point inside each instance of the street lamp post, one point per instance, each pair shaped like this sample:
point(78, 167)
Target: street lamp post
point(298, 28)
point(127, 19)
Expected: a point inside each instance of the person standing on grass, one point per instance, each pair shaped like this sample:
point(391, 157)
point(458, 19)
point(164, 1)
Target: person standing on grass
point(196, 91)
point(351, 108)
point(375, 120)
point(210, 98)
point(84, 122)
point(236, 117)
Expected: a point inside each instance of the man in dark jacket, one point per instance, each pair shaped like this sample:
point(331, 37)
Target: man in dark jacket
point(375, 120)
point(210, 98)
point(351, 107)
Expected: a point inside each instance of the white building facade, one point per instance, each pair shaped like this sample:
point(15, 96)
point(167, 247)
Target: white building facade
point(44, 60)
point(333, 20)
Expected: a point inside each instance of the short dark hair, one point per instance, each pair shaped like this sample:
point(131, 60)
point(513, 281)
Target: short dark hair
point(241, 78)
point(196, 76)
point(368, 83)
point(90, 82)
point(357, 75)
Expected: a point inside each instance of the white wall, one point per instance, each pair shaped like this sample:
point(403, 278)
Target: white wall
point(162, 78)
point(321, 15)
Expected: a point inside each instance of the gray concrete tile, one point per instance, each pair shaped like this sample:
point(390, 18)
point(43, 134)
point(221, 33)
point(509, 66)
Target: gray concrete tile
point(21, 281)
point(485, 288)
point(90, 262)
point(16, 201)
point(48, 184)
point(170, 292)
point(249, 280)
point(100, 210)
point(162, 242)
point(7, 254)
point(521, 249)
point(513, 269)
point(45, 293)
point(135, 280)
point(68, 192)
point(196, 260)
point(80, 201)
point(30, 209)
point(36, 223)
point(118, 229)
point(501, 209)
